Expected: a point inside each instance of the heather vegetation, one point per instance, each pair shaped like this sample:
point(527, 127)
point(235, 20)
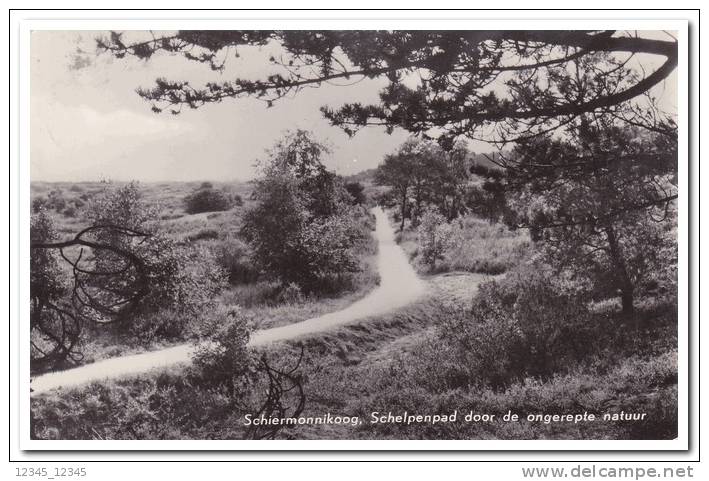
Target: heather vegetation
point(550, 266)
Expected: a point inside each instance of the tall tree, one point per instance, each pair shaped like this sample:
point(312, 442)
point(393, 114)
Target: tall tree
point(300, 229)
point(396, 172)
point(602, 201)
point(421, 173)
point(451, 180)
point(300, 155)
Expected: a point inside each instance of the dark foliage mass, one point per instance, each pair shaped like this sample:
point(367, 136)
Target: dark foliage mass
point(54, 327)
point(236, 258)
point(421, 173)
point(57, 201)
point(209, 199)
point(522, 327)
point(356, 191)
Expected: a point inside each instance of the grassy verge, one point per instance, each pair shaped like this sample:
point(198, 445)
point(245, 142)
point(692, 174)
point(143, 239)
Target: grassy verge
point(382, 367)
point(270, 306)
point(481, 247)
point(160, 404)
point(394, 363)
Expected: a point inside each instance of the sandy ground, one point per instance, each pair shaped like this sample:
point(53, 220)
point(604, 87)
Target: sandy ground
point(399, 286)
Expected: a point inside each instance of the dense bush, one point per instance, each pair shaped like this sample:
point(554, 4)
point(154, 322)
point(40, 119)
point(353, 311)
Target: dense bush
point(302, 229)
point(314, 254)
point(183, 281)
point(180, 279)
point(290, 294)
point(70, 211)
point(54, 332)
point(56, 200)
point(203, 234)
point(435, 237)
point(39, 204)
point(273, 226)
point(45, 276)
point(222, 357)
point(235, 258)
point(356, 191)
point(208, 199)
point(523, 326)
point(121, 205)
point(327, 249)
point(488, 202)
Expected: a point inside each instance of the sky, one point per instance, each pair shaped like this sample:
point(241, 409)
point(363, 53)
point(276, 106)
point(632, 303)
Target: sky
point(87, 123)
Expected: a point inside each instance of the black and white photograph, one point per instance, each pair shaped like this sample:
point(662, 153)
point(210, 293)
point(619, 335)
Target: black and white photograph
point(375, 234)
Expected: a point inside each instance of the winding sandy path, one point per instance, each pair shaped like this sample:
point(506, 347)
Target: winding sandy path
point(399, 285)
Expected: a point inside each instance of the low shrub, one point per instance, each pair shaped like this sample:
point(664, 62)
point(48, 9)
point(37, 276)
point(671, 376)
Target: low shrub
point(516, 328)
point(222, 357)
point(435, 236)
point(207, 200)
point(356, 191)
point(40, 203)
point(290, 294)
point(166, 405)
point(166, 324)
point(203, 234)
point(70, 211)
point(404, 383)
point(56, 200)
point(235, 257)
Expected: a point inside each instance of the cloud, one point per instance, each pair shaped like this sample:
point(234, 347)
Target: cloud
point(78, 140)
point(82, 124)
